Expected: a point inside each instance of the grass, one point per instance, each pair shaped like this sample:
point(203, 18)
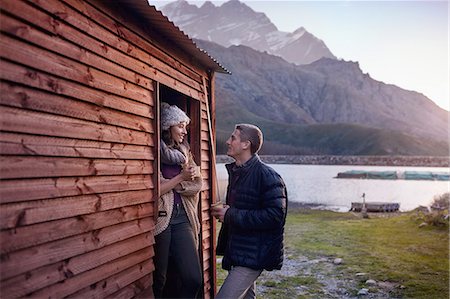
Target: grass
point(392, 250)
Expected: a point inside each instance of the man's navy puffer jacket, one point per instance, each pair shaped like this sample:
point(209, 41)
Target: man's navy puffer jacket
point(252, 233)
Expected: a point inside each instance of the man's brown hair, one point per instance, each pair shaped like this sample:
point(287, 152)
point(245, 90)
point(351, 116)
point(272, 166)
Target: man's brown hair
point(253, 134)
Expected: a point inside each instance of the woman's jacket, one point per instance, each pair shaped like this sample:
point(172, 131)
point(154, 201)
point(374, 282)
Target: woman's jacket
point(189, 191)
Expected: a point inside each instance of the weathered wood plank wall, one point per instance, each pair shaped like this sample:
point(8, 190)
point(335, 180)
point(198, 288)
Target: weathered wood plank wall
point(78, 149)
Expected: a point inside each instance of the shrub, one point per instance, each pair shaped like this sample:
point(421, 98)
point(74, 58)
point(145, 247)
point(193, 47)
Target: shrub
point(440, 202)
point(439, 215)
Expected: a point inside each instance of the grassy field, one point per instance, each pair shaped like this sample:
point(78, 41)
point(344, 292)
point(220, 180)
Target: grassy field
point(404, 261)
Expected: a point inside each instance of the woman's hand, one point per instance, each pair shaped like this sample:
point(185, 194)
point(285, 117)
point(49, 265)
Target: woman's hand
point(188, 173)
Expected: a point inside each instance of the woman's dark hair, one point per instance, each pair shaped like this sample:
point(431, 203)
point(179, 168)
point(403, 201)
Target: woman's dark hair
point(167, 137)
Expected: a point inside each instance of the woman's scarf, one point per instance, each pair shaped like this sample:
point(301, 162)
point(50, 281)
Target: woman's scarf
point(173, 156)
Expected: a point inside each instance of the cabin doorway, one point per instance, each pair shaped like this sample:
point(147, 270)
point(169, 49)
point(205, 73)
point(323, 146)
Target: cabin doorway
point(192, 108)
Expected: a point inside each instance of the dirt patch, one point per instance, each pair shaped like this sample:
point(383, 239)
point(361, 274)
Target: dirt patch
point(321, 277)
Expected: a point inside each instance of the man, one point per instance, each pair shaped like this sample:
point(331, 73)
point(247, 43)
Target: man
point(251, 236)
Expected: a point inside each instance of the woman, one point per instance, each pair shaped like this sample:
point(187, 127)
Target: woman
point(177, 227)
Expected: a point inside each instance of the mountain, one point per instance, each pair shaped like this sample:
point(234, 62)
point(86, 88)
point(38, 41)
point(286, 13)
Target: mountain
point(328, 107)
point(234, 23)
point(305, 100)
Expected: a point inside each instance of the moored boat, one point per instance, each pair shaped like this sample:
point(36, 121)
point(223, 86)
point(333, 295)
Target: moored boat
point(376, 206)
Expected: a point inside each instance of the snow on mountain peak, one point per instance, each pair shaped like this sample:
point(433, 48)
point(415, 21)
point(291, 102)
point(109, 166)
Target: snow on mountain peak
point(235, 23)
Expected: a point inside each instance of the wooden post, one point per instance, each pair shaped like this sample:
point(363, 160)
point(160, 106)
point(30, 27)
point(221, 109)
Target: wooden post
point(156, 161)
point(215, 197)
point(364, 208)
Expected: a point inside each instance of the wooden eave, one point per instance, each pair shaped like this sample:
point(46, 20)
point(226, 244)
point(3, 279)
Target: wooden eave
point(154, 18)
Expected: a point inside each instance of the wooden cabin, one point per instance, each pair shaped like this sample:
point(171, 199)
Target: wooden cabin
point(81, 87)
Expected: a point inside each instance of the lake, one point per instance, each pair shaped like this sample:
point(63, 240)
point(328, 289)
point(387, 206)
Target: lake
point(315, 184)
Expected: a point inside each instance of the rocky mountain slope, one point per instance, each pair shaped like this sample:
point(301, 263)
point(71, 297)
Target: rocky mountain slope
point(234, 23)
point(328, 107)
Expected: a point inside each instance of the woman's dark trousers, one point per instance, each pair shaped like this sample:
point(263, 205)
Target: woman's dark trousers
point(177, 243)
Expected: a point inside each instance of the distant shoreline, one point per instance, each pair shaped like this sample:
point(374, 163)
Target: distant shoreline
point(422, 161)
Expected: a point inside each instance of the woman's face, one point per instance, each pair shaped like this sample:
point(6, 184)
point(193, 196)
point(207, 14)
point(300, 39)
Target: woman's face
point(178, 132)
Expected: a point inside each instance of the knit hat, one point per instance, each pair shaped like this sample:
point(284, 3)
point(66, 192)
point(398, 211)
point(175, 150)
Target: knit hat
point(171, 116)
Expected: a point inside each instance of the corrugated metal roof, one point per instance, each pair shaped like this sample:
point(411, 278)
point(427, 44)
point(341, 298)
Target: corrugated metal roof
point(167, 28)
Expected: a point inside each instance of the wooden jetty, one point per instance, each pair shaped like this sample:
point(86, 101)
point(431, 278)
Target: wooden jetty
point(376, 206)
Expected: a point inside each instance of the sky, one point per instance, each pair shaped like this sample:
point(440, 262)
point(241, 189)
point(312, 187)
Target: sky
point(405, 43)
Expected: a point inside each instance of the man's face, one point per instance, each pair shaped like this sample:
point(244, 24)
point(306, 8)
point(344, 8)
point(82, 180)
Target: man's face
point(235, 145)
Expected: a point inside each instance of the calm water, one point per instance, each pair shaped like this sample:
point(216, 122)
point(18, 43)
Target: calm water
point(316, 184)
